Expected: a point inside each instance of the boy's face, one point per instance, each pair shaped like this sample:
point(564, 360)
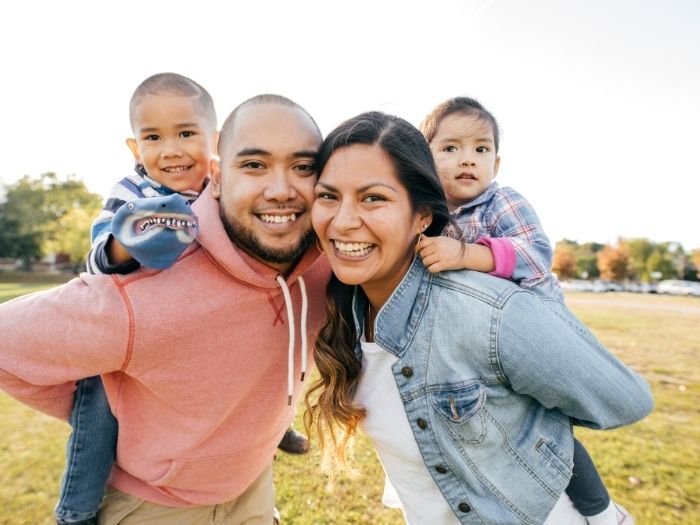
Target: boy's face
point(265, 184)
point(172, 141)
point(465, 157)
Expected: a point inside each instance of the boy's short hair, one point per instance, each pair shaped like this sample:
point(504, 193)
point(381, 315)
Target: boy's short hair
point(174, 84)
point(227, 126)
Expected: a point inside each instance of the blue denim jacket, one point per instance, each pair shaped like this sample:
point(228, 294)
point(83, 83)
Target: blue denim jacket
point(492, 377)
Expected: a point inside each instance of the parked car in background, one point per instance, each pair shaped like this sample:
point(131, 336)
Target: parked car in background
point(648, 287)
point(632, 287)
point(600, 285)
point(577, 285)
point(678, 287)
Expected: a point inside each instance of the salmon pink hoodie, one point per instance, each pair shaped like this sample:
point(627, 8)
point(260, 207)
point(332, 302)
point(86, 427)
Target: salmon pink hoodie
point(194, 361)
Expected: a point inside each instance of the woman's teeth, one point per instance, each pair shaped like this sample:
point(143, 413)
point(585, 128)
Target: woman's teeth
point(353, 249)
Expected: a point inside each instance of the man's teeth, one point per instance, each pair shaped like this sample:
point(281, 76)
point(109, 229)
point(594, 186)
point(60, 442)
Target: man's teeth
point(353, 249)
point(278, 218)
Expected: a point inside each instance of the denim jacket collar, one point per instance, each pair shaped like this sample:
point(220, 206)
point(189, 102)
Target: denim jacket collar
point(398, 319)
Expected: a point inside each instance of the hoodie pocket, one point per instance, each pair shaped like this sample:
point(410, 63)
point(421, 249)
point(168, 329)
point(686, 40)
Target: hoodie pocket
point(217, 475)
point(461, 411)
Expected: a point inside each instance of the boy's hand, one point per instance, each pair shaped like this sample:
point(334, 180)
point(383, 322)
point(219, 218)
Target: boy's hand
point(155, 230)
point(441, 253)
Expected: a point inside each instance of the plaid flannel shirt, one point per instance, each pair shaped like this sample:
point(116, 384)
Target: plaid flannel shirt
point(504, 213)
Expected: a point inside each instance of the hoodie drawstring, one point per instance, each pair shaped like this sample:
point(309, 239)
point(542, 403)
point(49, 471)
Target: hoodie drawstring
point(290, 322)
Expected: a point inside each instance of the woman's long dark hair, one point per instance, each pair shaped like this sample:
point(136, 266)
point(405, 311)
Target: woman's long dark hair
point(329, 401)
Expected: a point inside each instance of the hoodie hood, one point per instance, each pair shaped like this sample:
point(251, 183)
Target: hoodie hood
point(256, 274)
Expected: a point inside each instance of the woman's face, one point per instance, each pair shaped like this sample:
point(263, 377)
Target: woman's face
point(363, 217)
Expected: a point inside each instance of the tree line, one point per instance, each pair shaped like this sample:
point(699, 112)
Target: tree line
point(47, 214)
point(636, 259)
point(51, 214)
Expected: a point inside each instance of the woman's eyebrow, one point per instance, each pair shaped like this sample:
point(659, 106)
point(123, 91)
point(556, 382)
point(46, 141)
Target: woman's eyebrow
point(366, 187)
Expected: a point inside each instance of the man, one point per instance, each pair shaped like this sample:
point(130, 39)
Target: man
point(195, 359)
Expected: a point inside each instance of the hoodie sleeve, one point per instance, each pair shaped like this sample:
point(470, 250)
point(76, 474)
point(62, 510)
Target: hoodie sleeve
point(544, 352)
point(51, 339)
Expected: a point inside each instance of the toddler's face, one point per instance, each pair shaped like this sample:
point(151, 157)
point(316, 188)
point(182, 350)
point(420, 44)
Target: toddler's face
point(465, 157)
point(173, 141)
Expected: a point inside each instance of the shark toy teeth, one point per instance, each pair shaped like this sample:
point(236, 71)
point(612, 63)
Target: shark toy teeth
point(156, 230)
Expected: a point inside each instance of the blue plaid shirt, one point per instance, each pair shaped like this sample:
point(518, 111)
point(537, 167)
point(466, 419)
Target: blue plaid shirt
point(503, 212)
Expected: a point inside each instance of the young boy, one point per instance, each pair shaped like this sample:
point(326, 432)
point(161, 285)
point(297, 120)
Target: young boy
point(174, 124)
point(497, 231)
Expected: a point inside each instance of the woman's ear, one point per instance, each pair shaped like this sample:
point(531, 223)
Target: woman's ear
point(425, 219)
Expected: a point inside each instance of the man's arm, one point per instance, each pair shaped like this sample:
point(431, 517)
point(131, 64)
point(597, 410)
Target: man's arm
point(546, 353)
point(51, 339)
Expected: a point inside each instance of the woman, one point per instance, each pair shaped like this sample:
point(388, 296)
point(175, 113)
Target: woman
point(466, 384)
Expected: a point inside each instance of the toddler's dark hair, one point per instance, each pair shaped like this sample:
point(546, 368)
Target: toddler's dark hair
point(463, 105)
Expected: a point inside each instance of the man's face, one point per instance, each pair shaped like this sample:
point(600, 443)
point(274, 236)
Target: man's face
point(265, 184)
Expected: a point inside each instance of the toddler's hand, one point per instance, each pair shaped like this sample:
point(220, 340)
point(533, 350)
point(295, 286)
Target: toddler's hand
point(155, 230)
point(441, 253)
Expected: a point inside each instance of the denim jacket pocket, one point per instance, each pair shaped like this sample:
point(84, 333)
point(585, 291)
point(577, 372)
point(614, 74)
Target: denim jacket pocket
point(460, 411)
point(554, 459)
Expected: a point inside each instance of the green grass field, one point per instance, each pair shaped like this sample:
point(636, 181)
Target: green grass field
point(652, 467)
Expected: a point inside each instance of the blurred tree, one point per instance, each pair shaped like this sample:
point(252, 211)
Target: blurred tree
point(639, 250)
point(564, 263)
point(660, 261)
point(30, 213)
point(694, 257)
point(587, 259)
point(613, 263)
point(72, 234)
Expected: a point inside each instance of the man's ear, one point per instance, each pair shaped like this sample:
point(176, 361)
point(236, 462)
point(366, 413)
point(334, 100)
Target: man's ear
point(215, 170)
point(495, 167)
point(134, 147)
point(215, 142)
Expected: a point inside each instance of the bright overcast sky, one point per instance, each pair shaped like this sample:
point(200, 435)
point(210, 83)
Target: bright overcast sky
point(599, 100)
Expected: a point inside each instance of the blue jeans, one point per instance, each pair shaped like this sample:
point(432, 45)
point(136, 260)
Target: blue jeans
point(586, 489)
point(90, 453)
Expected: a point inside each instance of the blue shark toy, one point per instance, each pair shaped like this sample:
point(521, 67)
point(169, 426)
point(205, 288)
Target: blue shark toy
point(156, 230)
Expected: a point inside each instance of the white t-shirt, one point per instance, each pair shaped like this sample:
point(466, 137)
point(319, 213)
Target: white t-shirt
point(388, 428)
point(409, 485)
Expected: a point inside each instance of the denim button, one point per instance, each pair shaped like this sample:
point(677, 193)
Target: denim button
point(421, 423)
point(464, 507)
point(407, 371)
point(441, 469)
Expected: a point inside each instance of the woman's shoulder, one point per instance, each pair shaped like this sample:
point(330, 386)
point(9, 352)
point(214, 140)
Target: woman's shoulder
point(477, 286)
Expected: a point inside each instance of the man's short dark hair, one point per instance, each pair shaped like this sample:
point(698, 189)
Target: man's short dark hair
point(227, 127)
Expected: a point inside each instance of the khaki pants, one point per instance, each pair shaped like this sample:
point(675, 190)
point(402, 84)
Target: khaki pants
point(254, 507)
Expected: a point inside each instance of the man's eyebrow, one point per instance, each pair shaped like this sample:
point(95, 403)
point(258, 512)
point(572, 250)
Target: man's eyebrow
point(304, 154)
point(250, 152)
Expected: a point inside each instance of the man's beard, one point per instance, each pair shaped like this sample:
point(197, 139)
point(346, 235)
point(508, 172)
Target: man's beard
point(247, 240)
